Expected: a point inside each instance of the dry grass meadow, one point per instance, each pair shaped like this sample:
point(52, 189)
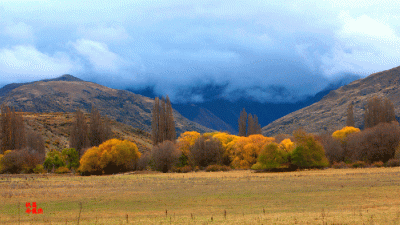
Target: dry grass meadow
point(331, 196)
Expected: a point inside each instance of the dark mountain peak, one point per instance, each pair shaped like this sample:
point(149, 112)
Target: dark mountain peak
point(65, 77)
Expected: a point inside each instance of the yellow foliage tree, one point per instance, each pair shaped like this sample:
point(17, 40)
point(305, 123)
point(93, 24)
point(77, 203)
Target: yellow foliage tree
point(112, 156)
point(344, 132)
point(245, 150)
point(286, 145)
point(186, 140)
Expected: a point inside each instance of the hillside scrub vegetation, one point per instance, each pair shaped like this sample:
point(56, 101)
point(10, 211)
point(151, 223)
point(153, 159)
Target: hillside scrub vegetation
point(112, 156)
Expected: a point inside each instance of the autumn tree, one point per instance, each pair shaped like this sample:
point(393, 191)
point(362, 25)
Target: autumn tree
point(99, 131)
point(350, 116)
point(112, 156)
point(163, 125)
point(78, 138)
point(186, 140)
point(378, 110)
point(13, 129)
point(245, 150)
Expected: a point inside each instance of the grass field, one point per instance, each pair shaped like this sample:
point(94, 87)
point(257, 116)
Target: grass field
point(332, 196)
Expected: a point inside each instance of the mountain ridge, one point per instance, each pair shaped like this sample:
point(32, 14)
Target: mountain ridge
point(330, 112)
point(68, 93)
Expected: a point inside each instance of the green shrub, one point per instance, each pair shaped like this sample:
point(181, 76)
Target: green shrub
point(359, 164)
point(214, 168)
point(53, 160)
point(62, 170)
point(71, 158)
point(39, 169)
point(393, 163)
point(271, 156)
point(309, 153)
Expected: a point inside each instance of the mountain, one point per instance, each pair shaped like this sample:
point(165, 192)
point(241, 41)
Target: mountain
point(222, 114)
point(330, 112)
point(68, 93)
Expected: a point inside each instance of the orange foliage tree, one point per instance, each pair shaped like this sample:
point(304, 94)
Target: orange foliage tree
point(112, 156)
point(245, 150)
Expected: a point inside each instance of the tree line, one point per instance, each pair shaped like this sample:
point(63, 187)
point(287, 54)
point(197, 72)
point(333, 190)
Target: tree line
point(24, 148)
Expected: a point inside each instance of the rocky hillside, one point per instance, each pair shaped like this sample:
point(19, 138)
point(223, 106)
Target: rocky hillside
point(55, 129)
point(330, 112)
point(67, 93)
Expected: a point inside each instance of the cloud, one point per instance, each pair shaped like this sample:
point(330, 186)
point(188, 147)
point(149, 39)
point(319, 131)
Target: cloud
point(19, 31)
point(104, 33)
point(363, 45)
point(98, 55)
point(265, 50)
point(24, 62)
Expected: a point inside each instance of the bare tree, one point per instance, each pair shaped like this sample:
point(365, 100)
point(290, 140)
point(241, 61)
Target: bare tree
point(79, 133)
point(34, 141)
point(163, 125)
point(155, 121)
point(250, 125)
point(242, 123)
point(257, 126)
point(350, 116)
point(377, 111)
point(99, 131)
point(13, 129)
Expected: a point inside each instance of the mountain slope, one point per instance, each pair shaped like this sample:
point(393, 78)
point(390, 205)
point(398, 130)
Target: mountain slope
point(67, 93)
point(221, 114)
point(55, 129)
point(330, 112)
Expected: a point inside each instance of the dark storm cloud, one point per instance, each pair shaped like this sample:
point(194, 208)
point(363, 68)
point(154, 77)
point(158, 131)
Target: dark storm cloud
point(264, 50)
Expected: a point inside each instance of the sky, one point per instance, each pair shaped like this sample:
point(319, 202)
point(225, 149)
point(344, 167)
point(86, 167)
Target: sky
point(270, 51)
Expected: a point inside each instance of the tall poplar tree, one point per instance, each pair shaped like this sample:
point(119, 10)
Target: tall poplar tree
point(377, 111)
point(99, 131)
point(242, 123)
point(12, 129)
point(162, 125)
point(78, 138)
point(350, 116)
